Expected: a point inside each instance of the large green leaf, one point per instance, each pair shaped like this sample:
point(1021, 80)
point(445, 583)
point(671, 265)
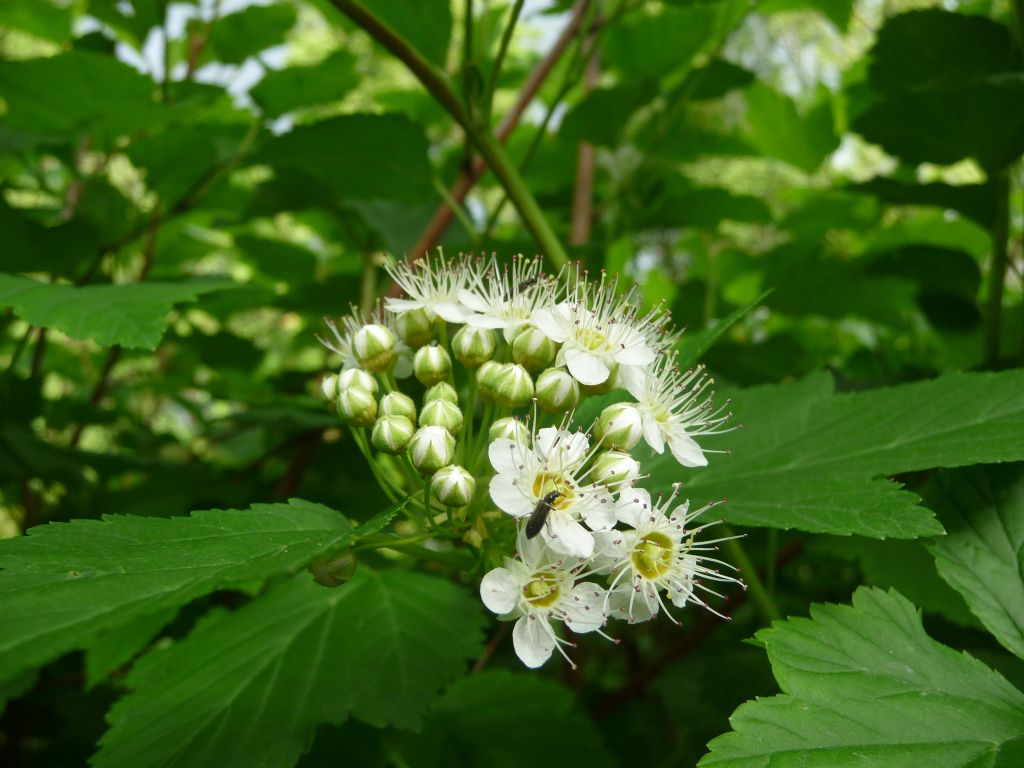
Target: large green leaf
point(282, 90)
point(133, 315)
point(777, 129)
point(425, 24)
point(242, 34)
point(983, 555)
point(358, 156)
point(810, 459)
point(255, 684)
point(863, 685)
point(63, 583)
point(44, 18)
point(31, 247)
point(481, 720)
point(86, 94)
point(651, 44)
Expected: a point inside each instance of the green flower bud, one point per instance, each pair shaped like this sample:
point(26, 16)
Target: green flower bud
point(532, 349)
point(356, 377)
point(486, 379)
point(357, 406)
point(415, 328)
point(391, 434)
point(619, 426)
point(374, 347)
point(511, 428)
point(453, 486)
point(398, 404)
point(474, 346)
point(441, 413)
point(615, 468)
point(335, 569)
point(441, 391)
point(431, 448)
point(329, 386)
point(431, 364)
point(557, 391)
point(514, 387)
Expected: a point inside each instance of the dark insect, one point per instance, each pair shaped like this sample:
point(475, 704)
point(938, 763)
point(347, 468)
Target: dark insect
point(540, 514)
point(528, 282)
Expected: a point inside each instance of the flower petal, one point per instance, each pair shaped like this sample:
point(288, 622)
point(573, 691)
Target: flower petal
point(609, 549)
point(473, 301)
point(550, 324)
point(509, 496)
point(634, 379)
point(450, 311)
point(533, 640)
point(584, 607)
point(566, 536)
point(632, 506)
point(652, 431)
point(586, 367)
point(499, 591)
point(597, 509)
point(685, 449)
point(505, 456)
point(626, 603)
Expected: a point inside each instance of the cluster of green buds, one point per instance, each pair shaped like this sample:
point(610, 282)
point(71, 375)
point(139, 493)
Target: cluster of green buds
point(505, 407)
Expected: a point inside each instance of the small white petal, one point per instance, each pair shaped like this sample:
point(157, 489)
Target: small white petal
point(632, 505)
point(505, 456)
point(685, 449)
point(485, 321)
point(584, 607)
point(566, 536)
point(450, 311)
point(499, 591)
point(585, 367)
point(509, 497)
point(598, 510)
point(473, 301)
point(551, 324)
point(634, 379)
point(532, 640)
point(652, 432)
point(625, 603)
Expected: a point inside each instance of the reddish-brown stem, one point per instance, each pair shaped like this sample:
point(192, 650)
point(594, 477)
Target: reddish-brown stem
point(583, 190)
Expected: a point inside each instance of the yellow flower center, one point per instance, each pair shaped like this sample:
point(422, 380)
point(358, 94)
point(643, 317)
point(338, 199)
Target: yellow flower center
point(592, 338)
point(546, 482)
point(653, 555)
point(542, 589)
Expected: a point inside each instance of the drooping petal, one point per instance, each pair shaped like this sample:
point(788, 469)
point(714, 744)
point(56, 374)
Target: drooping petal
point(635, 352)
point(398, 306)
point(505, 456)
point(597, 509)
point(532, 640)
point(551, 324)
point(485, 321)
point(472, 300)
point(499, 591)
point(567, 536)
point(652, 431)
point(633, 506)
point(634, 379)
point(584, 607)
point(586, 367)
point(450, 311)
point(510, 497)
point(685, 449)
point(629, 604)
point(680, 592)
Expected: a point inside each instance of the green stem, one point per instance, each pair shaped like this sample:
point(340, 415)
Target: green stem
point(426, 501)
point(997, 270)
point(368, 286)
point(493, 153)
point(392, 493)
point(499, 59)
point(762, 598)
point(467, 418)
point(459, 212)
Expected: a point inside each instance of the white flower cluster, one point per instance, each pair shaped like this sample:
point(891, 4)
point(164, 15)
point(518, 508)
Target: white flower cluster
point(590, 545)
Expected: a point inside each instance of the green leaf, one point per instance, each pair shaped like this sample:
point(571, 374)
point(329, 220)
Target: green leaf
point(378, 648)
point(693, 346)
point(43, 18)
point(481, 720)
point(119, 645)
point(776, 129)
point(87, 94)
point(358, 156)
point(604, 112)
point(175, 160)
point(810, 459)
point(651, 44)
point(65, 582)
point(133, 315)
point(425, 24)
point(836, 11)
point(31, 247)
point(982, 557)
point(242, 34)
point(283, 90)
point(977, 201)
point(864, 685)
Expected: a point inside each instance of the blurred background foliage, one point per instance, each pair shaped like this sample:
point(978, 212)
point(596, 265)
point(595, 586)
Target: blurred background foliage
point(239, 170)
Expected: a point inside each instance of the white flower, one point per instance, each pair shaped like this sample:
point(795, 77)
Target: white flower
point(675, 407)
point(538, 589)
point(433, 285)
point(659, 553)
point(599, 331)
point(506, 298)
point(553, 460)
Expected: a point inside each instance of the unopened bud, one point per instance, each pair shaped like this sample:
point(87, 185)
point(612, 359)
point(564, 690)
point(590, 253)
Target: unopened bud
point(335, 569)
point(453, 486)
point(619, 426)
point(415, 328)
point(398, 404)
point(356, 377)
point(374, 347)
point(509, 428)
point(557, 391)
point(391, 434)
point(441, 413)
point(474, 346)
point(513, 386)
point(431, 364)
point(441, 391)
point(329, 386)
point(357, 406)
point(430, 449)
point(532, 349)
point(615, 468)
point(487, 379)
